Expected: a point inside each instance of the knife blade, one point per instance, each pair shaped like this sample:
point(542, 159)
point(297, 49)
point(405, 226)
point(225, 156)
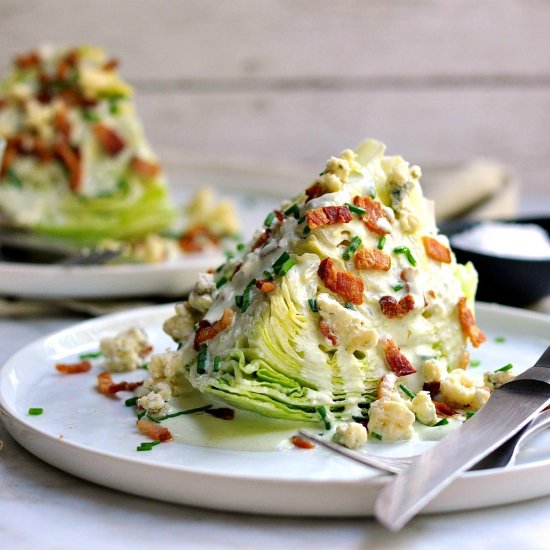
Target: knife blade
point(509, 408)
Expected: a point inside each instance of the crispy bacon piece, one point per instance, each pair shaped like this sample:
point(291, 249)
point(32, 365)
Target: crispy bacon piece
point(374, 213)
point(301, 443)
point(279, 214)
point(468, 324)
point(265, 285)
point(371, 258)
point(106, 385)
point(111, 65)
point(27, 60)
point(225, 413)
point(432, 387)
point(207, 331)
point(443, 408)
point(153, 430)
point(391, 308)
point(197, 238)
point(9, 156)
point(314, 191)
point(66, 65)
point(111, 142)
point(262, 239)
point(144, 167)
point(398, 363)
point(74, 368)
point(71, 159)
point(62, 124)
point(328, 215)
point(328, 333)
point(347, 285)
point(436, 251)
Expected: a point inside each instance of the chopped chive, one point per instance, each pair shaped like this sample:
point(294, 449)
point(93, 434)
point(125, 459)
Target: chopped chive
point(323, 413)
point(313, 305)
point(186, 411)
point(216, 364)
point(239, 301)
point(240, 247)
point(90, 116)
point(359, 419)
point(153, 419)
point(228, 254)
point(376, 436)
point(220, 267)
point(356, 209)
point(351, 249)
point(143, 447)
point(406, 391)
point(246, 295)
point(141, 414)
point(13, 179)
point(221, 281)
point(91, 355)
point(202, 360)
point(280, 261)
point(381, 242)
point(180, 345)
point(268, 275)
point(270, 218)
point(302, 219)
point(35, 411)
point(398, 287)
point(307, 230)
point(145, 366)
point(500, 339)
point(408, 254)
point(293, 210)
point(507, 367)
point(349, 305)
point(442, 422)
point(469, 414)
point(131, 401)
point(286, 267)
point(475, 363)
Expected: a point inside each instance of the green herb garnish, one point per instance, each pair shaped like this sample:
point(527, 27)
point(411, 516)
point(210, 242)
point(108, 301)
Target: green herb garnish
point(286, 267)
point(283, 264)
point(268, 275)
point(91, 355)
point(141, 414)
point(216, 364)
point(13, 179)
point(202, 360)
point(147, 445)
point(407, 252)
point(398, 287)
point(356, 209)
point(349, 305)
point(376, 436)
point(381, 242)
point(246, 295)
point(500, 339)
point(442, 422)
point(469, 414)
point(184, 412)
point(475, 363)
point(352, 248)
point(270, 218)
point(293, 210)
point(221, 281)
point(131, 401)
point(36, 411)
point(239, 301)
point(313, 305)
point(240, 247)
point(90, 116)
point(307, 230)
point(323, 413)
point(406, 391)
point(507, 367)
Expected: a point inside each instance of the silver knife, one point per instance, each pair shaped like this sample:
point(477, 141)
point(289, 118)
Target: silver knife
point(509, 408)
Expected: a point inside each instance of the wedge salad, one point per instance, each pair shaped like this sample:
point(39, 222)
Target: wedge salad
point(76, 164)
point(346, 310)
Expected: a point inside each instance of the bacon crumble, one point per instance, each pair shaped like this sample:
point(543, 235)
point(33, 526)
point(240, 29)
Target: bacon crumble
point(197, 239)
point(372, 258)
point(265, 285)
point(106, 385)
point(432, 388)
point(328, 333)
point(261, 240)
point(314, 191)
point(328, 215)
point(444, 409)
point(207, 331)
point(374, 213)
point(145, 168)
point(301, 442)
point(391, 308)
point(468, 324)
point(74, 368)
point(347, 285)
point(111, 142)
point(398, 363)
point(436, 251)
point(153, 429)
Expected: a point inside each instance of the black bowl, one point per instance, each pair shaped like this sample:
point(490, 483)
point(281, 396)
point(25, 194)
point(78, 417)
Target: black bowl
point(511, 281)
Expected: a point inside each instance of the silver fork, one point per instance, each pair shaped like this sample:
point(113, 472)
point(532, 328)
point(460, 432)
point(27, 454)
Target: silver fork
point(504, 456)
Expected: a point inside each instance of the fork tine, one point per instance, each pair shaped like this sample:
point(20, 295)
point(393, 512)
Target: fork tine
point(390, 465)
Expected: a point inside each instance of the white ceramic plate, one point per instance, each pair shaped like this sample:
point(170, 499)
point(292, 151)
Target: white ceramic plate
point(88, 435)
point(254, 191)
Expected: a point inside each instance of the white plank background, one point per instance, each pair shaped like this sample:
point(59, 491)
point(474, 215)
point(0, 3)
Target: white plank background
point(293, 81)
